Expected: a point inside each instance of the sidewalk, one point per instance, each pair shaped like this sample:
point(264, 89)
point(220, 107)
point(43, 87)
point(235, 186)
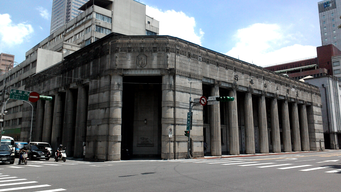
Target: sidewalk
point(258, 154)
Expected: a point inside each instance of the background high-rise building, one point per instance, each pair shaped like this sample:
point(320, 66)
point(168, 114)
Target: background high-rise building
point(6, 62)
point(329, 14)
point(63, 11)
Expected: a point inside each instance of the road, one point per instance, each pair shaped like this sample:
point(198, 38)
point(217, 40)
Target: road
point(313, 171)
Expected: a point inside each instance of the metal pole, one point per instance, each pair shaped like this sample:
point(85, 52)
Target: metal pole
point(3, 117)
point(190, 112)
point(31, 121)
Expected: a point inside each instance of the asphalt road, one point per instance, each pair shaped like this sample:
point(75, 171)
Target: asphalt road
point(317, 171)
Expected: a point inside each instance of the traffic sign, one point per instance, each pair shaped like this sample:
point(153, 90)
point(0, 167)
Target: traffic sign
point(203, 100)
point(34, 97)
point(19, 94)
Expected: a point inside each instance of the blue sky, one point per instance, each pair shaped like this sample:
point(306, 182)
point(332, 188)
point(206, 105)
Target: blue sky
point(263, 32)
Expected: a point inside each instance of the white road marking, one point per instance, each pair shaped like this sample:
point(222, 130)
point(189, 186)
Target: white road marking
point(277, 165)
point(13, 180)
point(313, 169)
point(334, 171)
point(15, 167)
point(26, 187)
point(294, 167)
point(19, 183)
point(52, 164)
point(327, 161)
point(53, 190)
point(3, 175)
point(239, 163)
point(34, 165)
point(8, 177)
point(247, 165)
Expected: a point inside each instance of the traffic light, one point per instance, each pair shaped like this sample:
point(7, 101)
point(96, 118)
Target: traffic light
point(46, 98)
point(224, 98)
point(187, 133)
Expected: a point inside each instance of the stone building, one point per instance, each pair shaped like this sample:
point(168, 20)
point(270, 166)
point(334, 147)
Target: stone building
point(122, 95)
point(97, 19)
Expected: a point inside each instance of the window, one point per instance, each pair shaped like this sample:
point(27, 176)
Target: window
point(26, 68)
point(88, 30)
point(337, 71)
point(333, 31)
point(325, 33)
point(103, 18)
point(102, 30)
point(150, 33)
point(87, 42)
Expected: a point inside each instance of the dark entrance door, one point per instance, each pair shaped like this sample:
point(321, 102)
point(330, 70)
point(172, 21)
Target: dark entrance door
point(141, 117)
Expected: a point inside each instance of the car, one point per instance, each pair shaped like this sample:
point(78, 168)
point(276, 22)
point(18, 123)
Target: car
point(18, 145)
point(37, 152)
point(6, 154)
point(44, 144)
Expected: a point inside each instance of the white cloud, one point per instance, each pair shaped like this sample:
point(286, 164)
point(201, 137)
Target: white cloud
point(176, 24)
point(12, 34)
point(43, 13)
point(268, 44)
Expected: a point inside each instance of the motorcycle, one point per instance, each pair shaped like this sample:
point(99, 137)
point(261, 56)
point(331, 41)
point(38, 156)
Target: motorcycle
point(61, 156)
point(23, 158)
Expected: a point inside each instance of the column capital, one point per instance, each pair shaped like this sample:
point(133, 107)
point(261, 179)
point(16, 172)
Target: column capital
point(250, 89)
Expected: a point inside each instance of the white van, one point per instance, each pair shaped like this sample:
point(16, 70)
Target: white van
point(7, 140)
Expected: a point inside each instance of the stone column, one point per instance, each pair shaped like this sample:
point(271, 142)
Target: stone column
point(286, 127)
point(275, 133)
point(249, 125)
point(69, 123)
point(115, 118)
point(304, 128)
point(295, 127)
point(263, 126)
point(57, 124)
point(47, 122)
point(37, 135)
point(167, 121)
point(233, 124)
point(81, 118)
point(215, 125)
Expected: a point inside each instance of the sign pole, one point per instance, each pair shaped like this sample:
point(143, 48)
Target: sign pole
point(31, 122)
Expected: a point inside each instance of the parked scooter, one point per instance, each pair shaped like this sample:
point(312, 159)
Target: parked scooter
point(60, 156)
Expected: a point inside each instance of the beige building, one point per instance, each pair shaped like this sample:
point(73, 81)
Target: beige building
point(6, 62)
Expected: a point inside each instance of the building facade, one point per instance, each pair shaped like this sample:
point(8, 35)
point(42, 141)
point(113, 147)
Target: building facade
point(329, 16)
point(330, 88)
point(64, 11)
point(322, 65)
point(6, 62)
point(121, 96)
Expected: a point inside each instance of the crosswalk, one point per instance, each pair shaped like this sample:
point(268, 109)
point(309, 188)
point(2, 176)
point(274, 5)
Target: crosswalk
point(41, 164)
point(279, 164)
point(13, 183)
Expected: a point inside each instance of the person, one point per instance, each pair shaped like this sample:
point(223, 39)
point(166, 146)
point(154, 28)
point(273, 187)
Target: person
point(59, 150)
point(21, 152)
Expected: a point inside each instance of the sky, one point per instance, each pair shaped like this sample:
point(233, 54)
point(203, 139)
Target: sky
point(261, 32)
